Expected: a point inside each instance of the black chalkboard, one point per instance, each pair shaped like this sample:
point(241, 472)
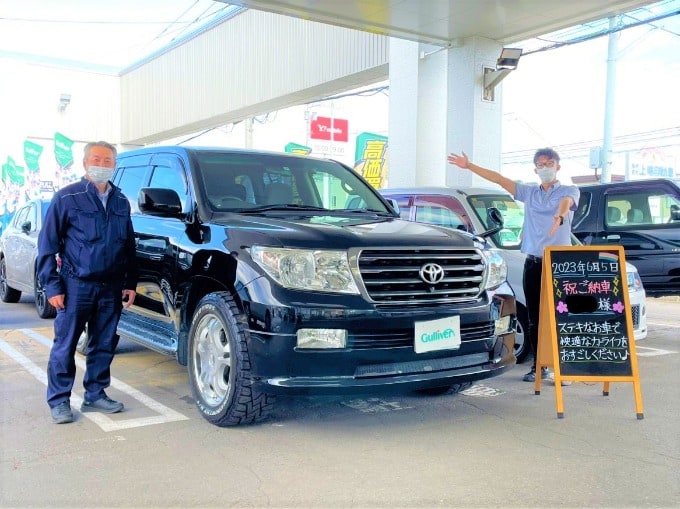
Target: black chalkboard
point(590, 311)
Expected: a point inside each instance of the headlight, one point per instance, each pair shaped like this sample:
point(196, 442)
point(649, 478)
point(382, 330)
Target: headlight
point(496, 269)
point(302, 269)
point(634, 281)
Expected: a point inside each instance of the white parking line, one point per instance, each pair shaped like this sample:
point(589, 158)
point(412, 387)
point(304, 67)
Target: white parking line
point(648, 351)
point(102, 420)
point(673, 324)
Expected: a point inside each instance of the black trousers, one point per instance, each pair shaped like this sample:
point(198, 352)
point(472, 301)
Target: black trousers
point(531, 281)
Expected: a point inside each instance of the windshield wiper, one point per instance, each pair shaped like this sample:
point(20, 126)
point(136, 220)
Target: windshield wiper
point(280, 206)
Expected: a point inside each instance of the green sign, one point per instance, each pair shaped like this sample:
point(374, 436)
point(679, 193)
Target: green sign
point(11, 173)
point(371, 159)
point(294, 148)
point(32, 152)
point(63, 150)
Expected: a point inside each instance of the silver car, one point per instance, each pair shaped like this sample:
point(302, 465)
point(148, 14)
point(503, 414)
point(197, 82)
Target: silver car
point(467, 209)
point(18, 254)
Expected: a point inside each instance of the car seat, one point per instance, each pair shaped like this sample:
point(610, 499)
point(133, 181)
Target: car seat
point(613, 215)
point(278, 193)
point(634, 216)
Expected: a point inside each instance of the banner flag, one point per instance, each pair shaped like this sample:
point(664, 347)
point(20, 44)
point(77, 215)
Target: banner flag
point(63, 150)
point(32, 153)
point(295, 148)
point(371, 158)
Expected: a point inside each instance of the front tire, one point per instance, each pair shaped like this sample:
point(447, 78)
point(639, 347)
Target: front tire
point(219, 365)
point(42, 305)
point(521, 346)
point(7, 293)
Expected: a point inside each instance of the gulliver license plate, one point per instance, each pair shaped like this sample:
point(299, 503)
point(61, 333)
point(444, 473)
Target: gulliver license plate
point(442, 334)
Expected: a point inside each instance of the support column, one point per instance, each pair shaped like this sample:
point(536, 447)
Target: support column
point(437, 107)
point(474, 124)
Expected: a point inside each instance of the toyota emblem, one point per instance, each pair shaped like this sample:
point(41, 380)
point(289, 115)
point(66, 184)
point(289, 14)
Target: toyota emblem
point(431, 273)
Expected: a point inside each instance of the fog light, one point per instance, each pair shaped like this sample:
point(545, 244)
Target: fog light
point(322, 338)
point(502, 325)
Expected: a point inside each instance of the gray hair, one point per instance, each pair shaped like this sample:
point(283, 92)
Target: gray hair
point(103, 144)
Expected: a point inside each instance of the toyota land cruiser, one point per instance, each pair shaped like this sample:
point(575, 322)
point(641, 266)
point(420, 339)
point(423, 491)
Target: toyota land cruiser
point(256, 274)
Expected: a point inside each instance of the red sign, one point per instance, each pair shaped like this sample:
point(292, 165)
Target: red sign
point(326, 128)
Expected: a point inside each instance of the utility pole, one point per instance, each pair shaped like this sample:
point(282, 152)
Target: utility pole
point(609, 100)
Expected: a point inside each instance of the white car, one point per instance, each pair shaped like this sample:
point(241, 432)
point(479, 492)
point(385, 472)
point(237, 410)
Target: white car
point(467, 209)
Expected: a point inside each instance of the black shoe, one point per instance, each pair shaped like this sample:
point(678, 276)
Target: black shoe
point(104, 405)
point(531, 375)
point(61, 414)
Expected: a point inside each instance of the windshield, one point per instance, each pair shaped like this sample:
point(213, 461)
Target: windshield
point(513, 218)
point(234, 181)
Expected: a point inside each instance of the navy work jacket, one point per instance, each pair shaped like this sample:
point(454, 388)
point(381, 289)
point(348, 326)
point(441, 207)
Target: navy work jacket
point(94, 244)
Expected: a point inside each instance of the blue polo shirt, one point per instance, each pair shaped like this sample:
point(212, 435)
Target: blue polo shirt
point(540, 209)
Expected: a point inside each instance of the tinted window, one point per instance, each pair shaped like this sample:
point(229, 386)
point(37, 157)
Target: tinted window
point(233, 181)
point(441, 210)
point(170, 177)
point(130, 181)
point(645, 206)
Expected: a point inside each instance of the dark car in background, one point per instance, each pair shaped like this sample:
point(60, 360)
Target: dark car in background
point(467, 209)
point(18, 254)
point(643, 216)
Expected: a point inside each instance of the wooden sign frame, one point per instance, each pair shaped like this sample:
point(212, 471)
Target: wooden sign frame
point(589, 272)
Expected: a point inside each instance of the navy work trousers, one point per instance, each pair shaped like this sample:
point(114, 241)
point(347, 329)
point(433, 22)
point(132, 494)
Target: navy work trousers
point(99, 306)
point(533, 270)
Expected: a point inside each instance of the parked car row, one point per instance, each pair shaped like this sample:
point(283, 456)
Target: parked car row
point(467, 209)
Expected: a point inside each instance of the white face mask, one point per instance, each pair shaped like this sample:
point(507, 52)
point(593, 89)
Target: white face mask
point(99, 174)
point(546, 174)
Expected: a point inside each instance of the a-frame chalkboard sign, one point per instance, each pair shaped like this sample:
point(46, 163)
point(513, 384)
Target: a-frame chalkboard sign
point(586, 328)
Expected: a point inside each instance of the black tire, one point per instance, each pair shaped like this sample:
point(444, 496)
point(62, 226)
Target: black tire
point(447, 389)
point(521, 347)
point(42, 305)
point(219, 365)
point(7, 293)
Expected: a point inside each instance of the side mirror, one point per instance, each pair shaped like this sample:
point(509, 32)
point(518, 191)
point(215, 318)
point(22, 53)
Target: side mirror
point(494, 220)
point(394, 205)
point(159, 202)
point(26, 227)
point(675, 213)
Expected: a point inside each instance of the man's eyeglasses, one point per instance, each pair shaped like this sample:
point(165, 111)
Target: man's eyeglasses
point(547, 164)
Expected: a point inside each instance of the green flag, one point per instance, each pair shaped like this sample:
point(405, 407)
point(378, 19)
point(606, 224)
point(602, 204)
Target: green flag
point(32, 152)
point(295, 148)
point(62, 150)
point(13, 173)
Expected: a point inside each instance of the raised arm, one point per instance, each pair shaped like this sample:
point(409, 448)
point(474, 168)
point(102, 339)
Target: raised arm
point(462, 161)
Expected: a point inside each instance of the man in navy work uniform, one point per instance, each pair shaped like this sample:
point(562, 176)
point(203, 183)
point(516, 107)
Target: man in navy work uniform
point(548, 212)
point(88, 226)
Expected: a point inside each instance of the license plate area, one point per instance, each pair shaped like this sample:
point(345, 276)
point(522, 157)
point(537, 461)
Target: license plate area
point(441, 334)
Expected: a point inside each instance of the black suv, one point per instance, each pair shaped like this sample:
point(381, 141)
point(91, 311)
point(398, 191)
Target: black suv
point(643, 216)
point(256, 274)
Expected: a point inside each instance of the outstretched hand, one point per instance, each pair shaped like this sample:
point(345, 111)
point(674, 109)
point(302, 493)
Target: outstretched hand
point(459, 160)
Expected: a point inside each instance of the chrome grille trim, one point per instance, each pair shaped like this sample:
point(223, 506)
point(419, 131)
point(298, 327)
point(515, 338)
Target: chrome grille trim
point(391, 275)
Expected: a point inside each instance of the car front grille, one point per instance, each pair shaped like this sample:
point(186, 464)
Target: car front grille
point(395, 276)
point(636, 316)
